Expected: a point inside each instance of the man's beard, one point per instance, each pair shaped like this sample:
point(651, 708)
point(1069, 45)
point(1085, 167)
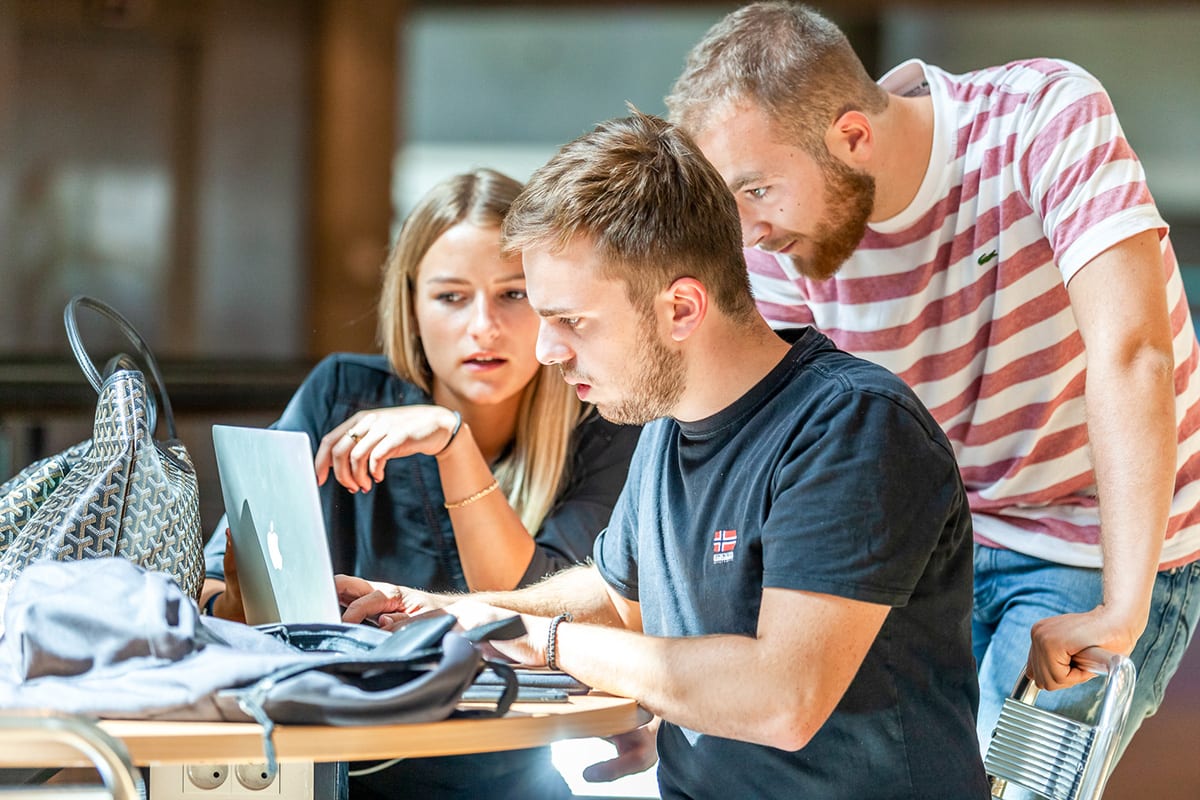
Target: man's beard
point(850, 199)
point(656, 382)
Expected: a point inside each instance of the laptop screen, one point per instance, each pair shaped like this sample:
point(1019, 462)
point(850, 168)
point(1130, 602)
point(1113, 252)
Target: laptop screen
point(278, 530)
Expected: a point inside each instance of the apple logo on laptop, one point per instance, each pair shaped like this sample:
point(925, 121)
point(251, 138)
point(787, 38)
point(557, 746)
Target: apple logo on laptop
point(273, 547)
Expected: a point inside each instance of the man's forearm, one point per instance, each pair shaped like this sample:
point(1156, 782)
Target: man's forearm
point(1132, 433)
point(579, 591)
point(1131, 425)
point(672, 678)
point(777, 688)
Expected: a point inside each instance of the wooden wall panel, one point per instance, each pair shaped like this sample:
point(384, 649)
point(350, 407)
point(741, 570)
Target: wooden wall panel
point(355, 140)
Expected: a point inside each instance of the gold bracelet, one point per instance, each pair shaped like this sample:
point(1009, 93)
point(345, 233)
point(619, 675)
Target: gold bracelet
point(482, 493)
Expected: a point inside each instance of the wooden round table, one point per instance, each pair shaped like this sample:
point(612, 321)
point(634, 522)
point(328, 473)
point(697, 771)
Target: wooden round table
point(525, 725)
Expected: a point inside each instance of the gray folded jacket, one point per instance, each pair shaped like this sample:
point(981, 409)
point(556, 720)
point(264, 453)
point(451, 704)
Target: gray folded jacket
point(107, 638)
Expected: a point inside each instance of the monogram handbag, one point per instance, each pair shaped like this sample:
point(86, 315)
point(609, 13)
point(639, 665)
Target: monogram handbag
point(121, 493)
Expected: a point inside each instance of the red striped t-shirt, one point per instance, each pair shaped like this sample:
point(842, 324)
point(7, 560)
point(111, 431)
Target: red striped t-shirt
point(963, 295)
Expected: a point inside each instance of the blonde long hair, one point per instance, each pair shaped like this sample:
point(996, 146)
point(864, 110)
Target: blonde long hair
point(535, 468)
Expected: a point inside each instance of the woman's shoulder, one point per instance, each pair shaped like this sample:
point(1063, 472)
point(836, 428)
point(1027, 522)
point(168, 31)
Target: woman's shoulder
point(355, 370)
point(366, 362)
point(361, 379)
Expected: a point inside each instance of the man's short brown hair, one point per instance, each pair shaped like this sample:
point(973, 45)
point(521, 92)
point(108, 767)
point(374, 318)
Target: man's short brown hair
point(653, 207)
point(785, 58)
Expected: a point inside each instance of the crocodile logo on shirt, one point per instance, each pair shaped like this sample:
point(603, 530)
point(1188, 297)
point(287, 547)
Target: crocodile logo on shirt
point(986, 257)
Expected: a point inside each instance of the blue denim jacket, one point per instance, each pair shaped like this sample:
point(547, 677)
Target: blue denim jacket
point(399, 531)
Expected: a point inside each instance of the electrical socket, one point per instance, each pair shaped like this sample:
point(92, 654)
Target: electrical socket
point(254, 777)
point(294, 781)
point(206, 776)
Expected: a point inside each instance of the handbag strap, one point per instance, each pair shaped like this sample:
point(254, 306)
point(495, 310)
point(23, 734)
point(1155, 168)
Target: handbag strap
point(143, 350)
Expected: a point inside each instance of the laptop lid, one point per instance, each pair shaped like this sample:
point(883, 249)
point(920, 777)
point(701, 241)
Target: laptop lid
point(278, 529)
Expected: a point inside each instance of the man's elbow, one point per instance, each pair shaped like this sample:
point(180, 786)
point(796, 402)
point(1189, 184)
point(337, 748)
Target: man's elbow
point(791, 729)
point(1160, 363)
point(1148, 366)
point(1154, 357)
point(1147, 358)
point(1152, 369)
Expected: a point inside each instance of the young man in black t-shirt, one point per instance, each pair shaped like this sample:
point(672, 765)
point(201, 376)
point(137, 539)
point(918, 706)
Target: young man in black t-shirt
point(786, 578)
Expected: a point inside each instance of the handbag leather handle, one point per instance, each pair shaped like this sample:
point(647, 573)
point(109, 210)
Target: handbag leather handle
point(143, 350)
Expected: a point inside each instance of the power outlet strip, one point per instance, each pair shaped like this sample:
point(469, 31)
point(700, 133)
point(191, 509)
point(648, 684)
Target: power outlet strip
point(190, 782)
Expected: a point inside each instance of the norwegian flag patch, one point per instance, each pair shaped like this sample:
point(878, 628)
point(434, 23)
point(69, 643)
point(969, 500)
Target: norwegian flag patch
point(724, 543)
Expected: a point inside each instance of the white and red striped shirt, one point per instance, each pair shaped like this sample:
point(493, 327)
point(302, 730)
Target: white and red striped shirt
point(963, 295)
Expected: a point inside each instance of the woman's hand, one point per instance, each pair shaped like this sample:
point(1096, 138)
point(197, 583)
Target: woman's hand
point(228, 604)
point(361, 599)
point(358, 449)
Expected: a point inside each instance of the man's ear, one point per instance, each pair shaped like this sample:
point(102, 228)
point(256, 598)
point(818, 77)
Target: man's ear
point(686, 304)
point(851, 140)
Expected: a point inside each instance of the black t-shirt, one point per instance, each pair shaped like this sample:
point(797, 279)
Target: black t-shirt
point(828, 476)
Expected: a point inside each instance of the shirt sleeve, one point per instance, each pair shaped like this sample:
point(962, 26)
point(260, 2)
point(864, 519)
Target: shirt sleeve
point(867, 495)
point(616, 549)
point(600, 463)
point(776, 286)
point(1079, 172)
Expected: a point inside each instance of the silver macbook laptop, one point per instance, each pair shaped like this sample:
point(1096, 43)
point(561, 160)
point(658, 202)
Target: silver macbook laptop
point(274, 515)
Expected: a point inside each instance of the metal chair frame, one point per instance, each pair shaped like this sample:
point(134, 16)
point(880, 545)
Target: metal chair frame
point(1057, 757)
point(122, 781)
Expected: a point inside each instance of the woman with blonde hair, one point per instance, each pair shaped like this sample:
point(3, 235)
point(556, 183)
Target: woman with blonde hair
point(460, 462)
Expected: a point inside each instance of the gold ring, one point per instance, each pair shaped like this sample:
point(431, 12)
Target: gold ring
point(354, 437)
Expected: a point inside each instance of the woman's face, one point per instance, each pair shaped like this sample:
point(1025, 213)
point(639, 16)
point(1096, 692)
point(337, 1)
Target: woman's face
point(477, 329)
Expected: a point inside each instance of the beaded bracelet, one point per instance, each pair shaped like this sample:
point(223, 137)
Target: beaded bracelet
point(482, 493)
point(552, 638)
point(453, 433)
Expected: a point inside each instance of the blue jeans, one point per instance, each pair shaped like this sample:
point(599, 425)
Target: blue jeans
point(1013, 591)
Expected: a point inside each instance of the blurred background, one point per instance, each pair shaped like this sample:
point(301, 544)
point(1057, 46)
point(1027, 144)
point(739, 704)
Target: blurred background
point(229, 173)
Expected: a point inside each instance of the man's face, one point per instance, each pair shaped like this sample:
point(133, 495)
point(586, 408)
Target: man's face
point(814, 213)
point(612, 353)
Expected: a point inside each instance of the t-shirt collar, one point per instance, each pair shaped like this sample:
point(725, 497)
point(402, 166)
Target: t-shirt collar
point(804, 341)
point(913, 79)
